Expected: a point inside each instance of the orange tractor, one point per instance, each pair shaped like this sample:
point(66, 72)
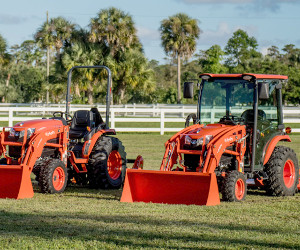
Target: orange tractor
point(62, 149)
point(236, 149)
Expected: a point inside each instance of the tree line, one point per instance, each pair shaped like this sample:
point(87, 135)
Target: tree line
point(111, 39)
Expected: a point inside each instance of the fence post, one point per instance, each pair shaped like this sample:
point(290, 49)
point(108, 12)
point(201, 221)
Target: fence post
point(153, 107)
point(212, 116)
point(162, 122)
point(10, 117)
point(112, 119)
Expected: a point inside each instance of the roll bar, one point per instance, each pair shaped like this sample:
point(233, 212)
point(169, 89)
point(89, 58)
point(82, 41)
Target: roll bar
point(108, 92)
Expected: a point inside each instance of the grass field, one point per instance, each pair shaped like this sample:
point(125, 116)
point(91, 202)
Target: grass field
point(81, 218)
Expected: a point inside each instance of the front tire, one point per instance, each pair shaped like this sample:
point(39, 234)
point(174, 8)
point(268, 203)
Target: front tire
point(53, 177)
point(107, 164)
point(282, 170)
point(234, 187)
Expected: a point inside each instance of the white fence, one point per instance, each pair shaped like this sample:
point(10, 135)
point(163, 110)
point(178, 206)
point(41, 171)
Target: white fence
point(154, 114)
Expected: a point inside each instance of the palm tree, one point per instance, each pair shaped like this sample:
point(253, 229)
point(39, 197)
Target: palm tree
point(3, 45)
point(179, 34)
point(88, 54)
point(4, 56)
point(55, 34)
point(130, 72)
point(115, 29)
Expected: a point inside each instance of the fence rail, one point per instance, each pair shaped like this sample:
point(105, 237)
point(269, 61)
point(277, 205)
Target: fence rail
point(160, 114)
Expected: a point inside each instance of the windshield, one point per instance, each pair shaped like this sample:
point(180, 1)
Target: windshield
point(224, 97)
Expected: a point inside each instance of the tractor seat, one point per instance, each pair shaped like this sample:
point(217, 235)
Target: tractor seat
point(82, 119)
point(249, 116)
point(97, 117)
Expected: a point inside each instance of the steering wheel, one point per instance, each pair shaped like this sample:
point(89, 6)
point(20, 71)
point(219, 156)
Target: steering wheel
point(61, 115)
point(189, 117)
point(58, 113)
point(231, 120)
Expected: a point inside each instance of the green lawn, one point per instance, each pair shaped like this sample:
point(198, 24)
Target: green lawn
point(81, 218)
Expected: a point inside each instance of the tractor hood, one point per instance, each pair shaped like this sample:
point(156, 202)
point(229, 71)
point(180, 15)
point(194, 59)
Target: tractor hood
point(210, 129)
point(199, 136)
point(38, 124)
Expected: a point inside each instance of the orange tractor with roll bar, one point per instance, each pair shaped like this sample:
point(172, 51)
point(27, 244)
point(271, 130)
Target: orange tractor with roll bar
point(231, 145)
point(62, 149)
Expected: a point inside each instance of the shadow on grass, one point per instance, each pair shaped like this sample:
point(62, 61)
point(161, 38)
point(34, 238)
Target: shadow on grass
point(257, 192)
point(121, 230)
point(86, 192)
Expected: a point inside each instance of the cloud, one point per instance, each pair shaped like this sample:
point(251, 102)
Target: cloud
point(257, 5)
point(148, 36)
point(218, 36)
point(264, 50)
point(11, 20)
point(222, 34)
point(280, 43)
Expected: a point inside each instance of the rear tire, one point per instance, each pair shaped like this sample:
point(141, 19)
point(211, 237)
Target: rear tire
point(107, 164)
point(234, 187)
point(53, 177)
point(282, 170)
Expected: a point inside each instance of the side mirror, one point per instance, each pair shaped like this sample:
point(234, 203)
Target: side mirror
point(188, 90)
point(263, 91)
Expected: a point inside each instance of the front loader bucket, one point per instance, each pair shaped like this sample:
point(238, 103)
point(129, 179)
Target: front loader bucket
point(15, 182)
point(172, 187)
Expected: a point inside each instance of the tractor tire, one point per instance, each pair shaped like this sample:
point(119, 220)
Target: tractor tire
point(234, 187)
point(53, 177)
point(282, 170)
point(37, 167)
point(107, 164)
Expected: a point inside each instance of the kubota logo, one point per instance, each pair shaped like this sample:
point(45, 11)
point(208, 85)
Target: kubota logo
point(49, 133)
point(230, 139)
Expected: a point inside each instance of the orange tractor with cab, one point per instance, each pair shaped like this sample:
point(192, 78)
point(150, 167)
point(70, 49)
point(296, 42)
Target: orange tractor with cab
point(231, 145)
point(62, 149)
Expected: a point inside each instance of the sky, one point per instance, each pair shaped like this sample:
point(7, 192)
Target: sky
point(271, 22)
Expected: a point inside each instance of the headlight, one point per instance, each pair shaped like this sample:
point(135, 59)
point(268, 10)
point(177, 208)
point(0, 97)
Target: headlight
point(187, 140)
point(20, 134)
point(12, 132)
point(208, 138)
point(197, 142)
point(30, 131)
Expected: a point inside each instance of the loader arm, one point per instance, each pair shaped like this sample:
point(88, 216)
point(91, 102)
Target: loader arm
point(15, 179)
point(216, 148)
point(211, 153)
point(173, 147)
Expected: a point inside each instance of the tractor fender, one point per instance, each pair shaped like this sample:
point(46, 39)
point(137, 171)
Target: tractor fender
point(268, 150)
point(89, 144)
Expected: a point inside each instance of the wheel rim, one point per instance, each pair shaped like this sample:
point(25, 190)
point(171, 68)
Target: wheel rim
point(114, 165)
point(58, 179)
point(289, 173)
point(239, 189)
